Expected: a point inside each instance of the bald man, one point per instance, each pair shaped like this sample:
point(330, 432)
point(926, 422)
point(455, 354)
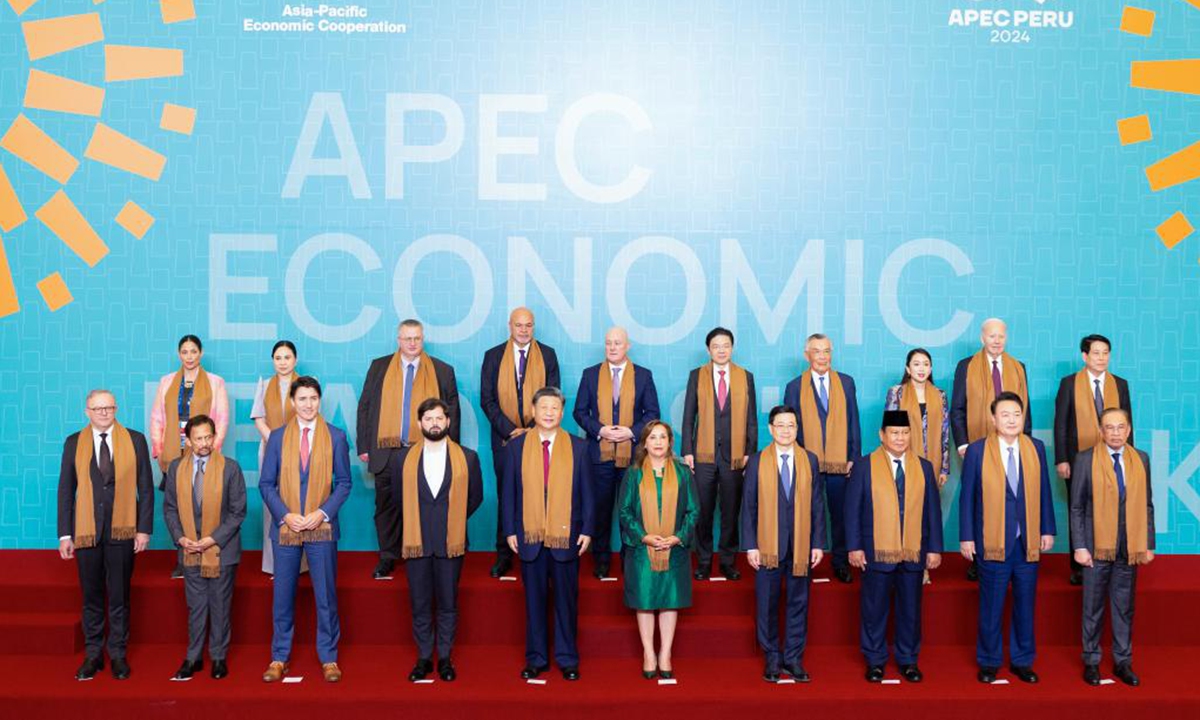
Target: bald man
point(615, 401)
point(512, 372)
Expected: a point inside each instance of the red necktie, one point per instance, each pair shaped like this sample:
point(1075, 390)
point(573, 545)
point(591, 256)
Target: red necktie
point(996, 384)
point(722, 390)
point(304, 449)
point(546, 462)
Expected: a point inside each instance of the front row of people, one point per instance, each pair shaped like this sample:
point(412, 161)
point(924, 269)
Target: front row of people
point(892, 519)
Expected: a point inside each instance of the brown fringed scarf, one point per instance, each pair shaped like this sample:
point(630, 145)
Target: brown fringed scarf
point(768, 509)
point(546, 510)
point(995, 488)
point(391, 399)
point(891, 544)
point(831, 453)
point(1106, 503)
point(621, 452)
point(124, 518)
point(320, 480)
point(210, 512)
point(201, 404)
point(981, 393)
point(934, 413)
point(413, 545)
point(1087, 424)
point(519, 411)
point(279, 411)
point(706, 397)
point(655, 521)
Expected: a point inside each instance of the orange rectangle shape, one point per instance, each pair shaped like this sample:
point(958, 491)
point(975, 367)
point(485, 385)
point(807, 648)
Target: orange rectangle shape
point(54, 291)
point(112, 148)
point(51, 36)
point(178, 118)
point(129, 62)
point(135, 220)
point(8, 291)
point(64, 220)
point(1175, 169)
point(1137, 21)
point(46, 91)
point(1174, 229)
point(174, 11)
point(1134, 129)
point(30, 143)
point(11, 212)
point(1182, 76)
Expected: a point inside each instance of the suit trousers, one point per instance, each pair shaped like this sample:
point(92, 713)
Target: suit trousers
point(105, 572)
point(498, 457)
point(606, 480)
point(209, 601)
point(881, 591)
point(718, 481)
point(767, 585)
point(994, 578)
point(835, 500)
point(322, 566)
point(433, 580)
point(541, 576)
point(1114, 582)
point(387, 514)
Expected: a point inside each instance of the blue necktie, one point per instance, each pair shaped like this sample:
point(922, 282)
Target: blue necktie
point(1013, 478)
point(785, 473)
point(406, 415)
point(823, 395)
point(1120, 474)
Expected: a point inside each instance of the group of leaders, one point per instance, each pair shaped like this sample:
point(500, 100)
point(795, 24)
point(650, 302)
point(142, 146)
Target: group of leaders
point(809, 490)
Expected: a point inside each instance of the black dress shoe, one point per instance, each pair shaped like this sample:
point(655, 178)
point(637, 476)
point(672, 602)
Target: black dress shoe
point(911, 673)
point(1125, 674)
point(89, 668)
point(120, 668)
point(701, 573)
point(1024, 673)
point(730, 572)
point(177, 573)
point(502, 566)
point(219, 669)
point(420, 670)
point(987, 675)
point(771, 673)
point(383, 571)
point(1091, 674)
point(973, 572)
point(531, 671)
point(600, 571)
point(874, 673)
point(798, 673)
point(188, 669)
point(571, 673)
point(1076, 577)
point(446, 670)
point(842, 573)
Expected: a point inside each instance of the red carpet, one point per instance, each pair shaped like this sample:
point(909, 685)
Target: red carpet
point(715, 656)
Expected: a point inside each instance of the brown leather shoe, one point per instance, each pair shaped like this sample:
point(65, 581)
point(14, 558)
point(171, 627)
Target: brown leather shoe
point(275, 671)
point(333, 673)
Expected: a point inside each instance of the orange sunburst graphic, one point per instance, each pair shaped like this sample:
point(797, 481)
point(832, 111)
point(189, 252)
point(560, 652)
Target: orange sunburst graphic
point(1177, 76)
point(26, 142)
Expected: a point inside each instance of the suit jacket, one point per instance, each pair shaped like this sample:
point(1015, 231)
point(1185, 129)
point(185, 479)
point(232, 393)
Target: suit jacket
point(958, 403)
point(1066, 433)
point(228, 534)
point(512, 517)
point(860, 516)
point(489, 397)
point(1082, 533)
point(791, 398)
point(970, 500)
point(587, 415)
point(102, 497)
point(368, 409)
point(722, 427)
point(434, 512)
point(785, 507)
point(268, 480)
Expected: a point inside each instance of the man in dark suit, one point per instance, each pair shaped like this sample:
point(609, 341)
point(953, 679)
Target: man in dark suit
point(210, 541)
point(720, 398)
point(1074, 429)
point(548, 534)
point(105, 517)
point(1112, 521)
point(444, 480)
point(891, 544)
point(1006, 518)
point(405, 375)
point(512, 372)
point(612, 425)
point(781, 565)
point(836, 464)
point(305, 523)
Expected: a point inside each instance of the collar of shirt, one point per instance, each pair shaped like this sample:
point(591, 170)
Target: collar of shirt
point(892, 461)
point(620, 367)
point(717, 370)
point(415, 362)
point(197, 461)
point(999, 360)
point(780, 451)
point(1016, 448)
point(1123, 449)
point(1093, 378)
point(816, 378)
point(311, 425)
point(434, 449)
point(96, 441)
point(433, 459)
point(541, 439)
point(517, 348)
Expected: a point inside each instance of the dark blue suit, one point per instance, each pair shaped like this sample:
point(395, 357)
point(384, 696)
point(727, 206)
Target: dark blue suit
point(767, 582)
point(835, 485)
point(606, 475)
point(543, 568)
point(995, 575)
point(322, 556)
point(881, 579)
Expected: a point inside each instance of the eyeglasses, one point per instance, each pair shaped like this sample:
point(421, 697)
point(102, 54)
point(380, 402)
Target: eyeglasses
point(778, 426)
point(104, 409)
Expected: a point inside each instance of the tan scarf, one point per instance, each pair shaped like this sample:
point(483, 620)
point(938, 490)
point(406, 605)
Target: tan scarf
point(1087, 424)
point(831, 454)
point(1106, 503)
point(891, 544)
point(210, 513)
point(279, 411)
point(320, 480)
point(546, 510)
point(456, 522)
point(655, 521)
point(706, 396)
point(768, 509)
point(201, 404)
point(124, 518)
point(391, 399)
point(621, 452)
point(981, 392)
point(995, 489)
point(934, 412)
point(519, 411)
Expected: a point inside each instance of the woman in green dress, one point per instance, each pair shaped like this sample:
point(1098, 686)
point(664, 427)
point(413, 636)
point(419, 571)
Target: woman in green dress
point(658, 511)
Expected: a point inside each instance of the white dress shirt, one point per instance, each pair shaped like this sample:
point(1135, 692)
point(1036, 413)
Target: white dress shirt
point(433, 461)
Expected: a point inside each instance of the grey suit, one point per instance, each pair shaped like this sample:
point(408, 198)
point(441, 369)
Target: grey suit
point(209, 599)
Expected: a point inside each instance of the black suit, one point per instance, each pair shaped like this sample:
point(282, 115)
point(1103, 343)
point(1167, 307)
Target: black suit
point(384, 462)
point(959, 399)
point(105, 570)
point(434, 575)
